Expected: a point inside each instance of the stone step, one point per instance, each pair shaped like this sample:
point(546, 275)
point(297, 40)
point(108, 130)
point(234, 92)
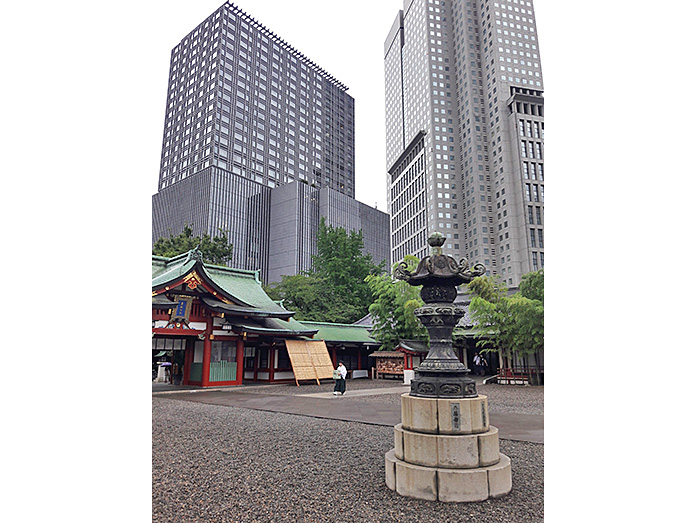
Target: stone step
point(448, 485)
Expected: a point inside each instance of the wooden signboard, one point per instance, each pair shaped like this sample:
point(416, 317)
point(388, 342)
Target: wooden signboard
point(310, 360)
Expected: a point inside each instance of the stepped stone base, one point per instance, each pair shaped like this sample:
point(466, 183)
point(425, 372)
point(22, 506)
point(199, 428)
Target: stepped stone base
point(446, 450)
point(449, 485)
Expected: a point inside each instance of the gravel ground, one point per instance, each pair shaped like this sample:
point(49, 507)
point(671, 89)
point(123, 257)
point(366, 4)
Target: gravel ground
point(222, 464)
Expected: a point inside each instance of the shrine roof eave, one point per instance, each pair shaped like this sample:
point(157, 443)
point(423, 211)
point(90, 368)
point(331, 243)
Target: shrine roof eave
point(414, 347)
point(386, 354)
point(192, 270)
point(266, 331)
point(234, 310)
point(341, 333)
point(160, 301)
point(472, 333)
point(238, 286)
point(271, 327)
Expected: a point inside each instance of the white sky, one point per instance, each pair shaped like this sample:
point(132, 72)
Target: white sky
point(344, 38)
point(83, 91)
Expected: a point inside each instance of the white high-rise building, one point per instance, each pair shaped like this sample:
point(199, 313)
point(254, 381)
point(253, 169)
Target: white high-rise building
point(465, 133)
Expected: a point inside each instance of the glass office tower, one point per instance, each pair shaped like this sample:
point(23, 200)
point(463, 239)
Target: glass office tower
point(246, 112)
point(465, 132)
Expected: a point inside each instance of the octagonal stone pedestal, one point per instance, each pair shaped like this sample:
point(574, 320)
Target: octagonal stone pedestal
point(446, 450)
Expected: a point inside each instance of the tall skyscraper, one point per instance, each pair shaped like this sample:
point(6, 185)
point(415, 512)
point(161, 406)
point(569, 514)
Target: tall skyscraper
point(246, 112)
point(465, 132)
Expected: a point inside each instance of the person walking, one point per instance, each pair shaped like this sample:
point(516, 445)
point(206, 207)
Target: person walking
point(477, 360)
point(483, 364)
point(340, 385)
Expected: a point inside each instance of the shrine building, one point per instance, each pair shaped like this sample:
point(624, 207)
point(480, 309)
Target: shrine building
point(218, 328)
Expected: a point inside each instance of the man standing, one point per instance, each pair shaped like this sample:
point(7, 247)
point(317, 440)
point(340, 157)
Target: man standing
point(477, 360)
point(340, 386)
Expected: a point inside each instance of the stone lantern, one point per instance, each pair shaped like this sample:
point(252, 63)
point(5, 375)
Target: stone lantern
point(445, 448)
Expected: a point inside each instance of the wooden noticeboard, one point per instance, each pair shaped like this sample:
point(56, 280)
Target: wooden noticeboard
point(310, 360)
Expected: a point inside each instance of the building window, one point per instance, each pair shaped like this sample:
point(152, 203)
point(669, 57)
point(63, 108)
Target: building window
point(283, 359)
point(264, 357)
point(532, 238)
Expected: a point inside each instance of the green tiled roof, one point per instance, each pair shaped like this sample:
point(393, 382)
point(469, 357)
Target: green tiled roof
point(243, 285)
point(273, 326)
point(240, 285)
point(168, 269)
point(337, 332)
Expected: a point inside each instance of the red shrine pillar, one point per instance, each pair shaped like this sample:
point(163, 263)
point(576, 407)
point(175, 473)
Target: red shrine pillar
point(206, 371)
point(188, 358)
point(240, 360)
point(272, 364)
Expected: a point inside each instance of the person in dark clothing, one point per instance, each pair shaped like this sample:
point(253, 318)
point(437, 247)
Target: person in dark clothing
point(340, 385)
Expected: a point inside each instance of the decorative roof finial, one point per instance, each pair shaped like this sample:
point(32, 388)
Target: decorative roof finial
point(195, 254)
point(436, 241)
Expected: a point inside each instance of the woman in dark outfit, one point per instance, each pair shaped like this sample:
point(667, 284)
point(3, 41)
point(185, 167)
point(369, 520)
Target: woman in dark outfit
point(340, 385)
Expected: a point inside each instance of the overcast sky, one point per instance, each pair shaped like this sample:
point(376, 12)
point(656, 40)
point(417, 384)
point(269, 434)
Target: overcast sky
point(83, 93)
point(344, 38)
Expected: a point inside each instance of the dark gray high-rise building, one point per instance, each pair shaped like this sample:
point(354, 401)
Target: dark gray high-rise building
point(246, 112)
point(296, 210)
point(243, 100)
point(465, 132)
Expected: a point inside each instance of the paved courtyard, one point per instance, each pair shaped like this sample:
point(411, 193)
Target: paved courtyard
point(219, 461)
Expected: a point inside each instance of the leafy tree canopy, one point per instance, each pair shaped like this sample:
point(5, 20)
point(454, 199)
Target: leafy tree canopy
point(393, 308)
point(216, 250)
point(313, 299)
point(335, 290)
point(532, 285)
point(513, 324)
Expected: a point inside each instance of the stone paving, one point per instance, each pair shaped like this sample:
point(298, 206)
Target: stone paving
point(513, 426)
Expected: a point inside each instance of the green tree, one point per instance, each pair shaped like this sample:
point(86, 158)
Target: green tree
point(533, 285)
point(335, 290)
point(512, 325)
point(312, 299)
point(341, 263)
point(394, 302)
point(216, 250)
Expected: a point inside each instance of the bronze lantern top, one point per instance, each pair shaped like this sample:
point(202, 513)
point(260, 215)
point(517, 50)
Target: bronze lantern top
point(438, 269)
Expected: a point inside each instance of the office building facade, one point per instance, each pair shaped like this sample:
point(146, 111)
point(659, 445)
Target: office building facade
point(296, 211)
point(247, 113)
point(464, 121)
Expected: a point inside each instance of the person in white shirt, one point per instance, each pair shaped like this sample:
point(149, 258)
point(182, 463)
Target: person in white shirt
point(477, 360)
point(340, 385)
